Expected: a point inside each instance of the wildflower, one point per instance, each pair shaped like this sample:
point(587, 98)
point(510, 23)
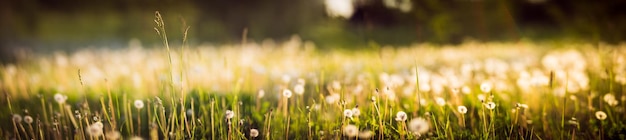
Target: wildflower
point(490, 105)
point(299, 89)
point(347, 113)
point(401, 116)
point(229, 114)
point(95, 129)
point(261, 94)
point(28, 119)
point(287, 93)
point(366, 134)
point(60, 98)
point(481, 97)
point(336, 85)
point(466, 90)
point(600, 115)
point(440, 101)
point(17, 118)
point(485, 87)
point(419, 126)
point(113, 135)
point(333, 98)
point(286, 79)
point(301, 81)
point(138, 104)
point(254, 133)
point(350, 130)
point(521, 105)
point(462, 109)
point(610, 99)
point(356, 112)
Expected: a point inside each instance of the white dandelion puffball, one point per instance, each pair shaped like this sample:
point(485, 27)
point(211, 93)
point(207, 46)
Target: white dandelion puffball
point(286, 79)
point(490, 105)
point(60, 98)
point(229, 114)
point(299, 89)
point(333, 98)
point(95, 129)
point(481, 97)
point(600, 115)
point(440, 101)
point(28, 119)
point(462, 109)
point(138, 104)
point(17, 118)
point(350, 130)
point(339, 8)
point(261, 94)
point(347, 113)
point(485, 87)
point(356, 112)
point(254, 133)
point(366, 134)
point(287, 93)
point(419, 126)
point(401, 116)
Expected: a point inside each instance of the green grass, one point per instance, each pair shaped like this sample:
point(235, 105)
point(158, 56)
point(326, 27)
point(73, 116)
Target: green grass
point(520, 90)
point(103, 86)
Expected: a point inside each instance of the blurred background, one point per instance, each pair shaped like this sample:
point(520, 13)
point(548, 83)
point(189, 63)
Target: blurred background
point(44, 25)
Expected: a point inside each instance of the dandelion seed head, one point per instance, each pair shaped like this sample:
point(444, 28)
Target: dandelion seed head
point(254, 133)
point(286, 79)
point(60, 98)
point(299, 89)
point(350, 130)
point(466, 90)
point(28, 119)
point(419, 126)
point(356, 112)
point(301, 81)
point(462, 109)
point(95, 129)
point(287, 93)
point(17, 118)
point(261, 93)
point(490, 105)
point(401, 116)
point(481, 97)
point(366, 134)
point(332, 99)
point(600, 115)
point(485, 87)
point(229, 114)
point(138, 104)
point(347, 113)
point(440, 101)
point(336, 85)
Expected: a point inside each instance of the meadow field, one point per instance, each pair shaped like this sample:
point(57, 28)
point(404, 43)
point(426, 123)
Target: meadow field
point(291, 90)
